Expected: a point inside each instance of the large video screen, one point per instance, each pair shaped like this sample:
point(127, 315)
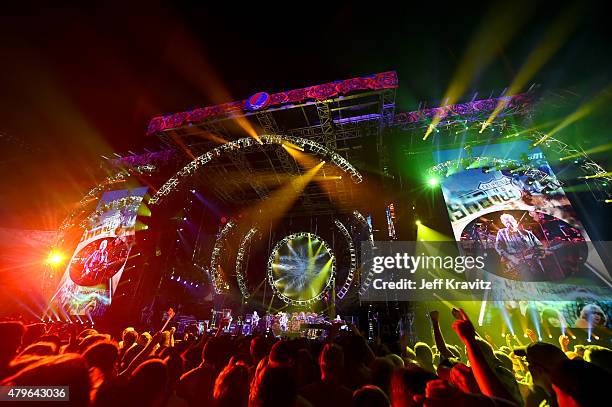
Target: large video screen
point(96, 266)
point(506, 201)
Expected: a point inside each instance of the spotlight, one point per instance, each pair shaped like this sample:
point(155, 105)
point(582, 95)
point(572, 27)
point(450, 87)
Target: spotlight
point(55, 258)
point(433, 182)
point(418, 222)
point(184, 218)
point(193, 191)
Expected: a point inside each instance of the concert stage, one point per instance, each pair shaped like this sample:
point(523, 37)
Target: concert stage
point(265, 205)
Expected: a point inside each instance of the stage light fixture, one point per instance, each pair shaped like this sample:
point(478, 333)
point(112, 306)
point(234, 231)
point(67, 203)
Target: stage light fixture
point(433, 182)
point(55, 258)
point(417, 222)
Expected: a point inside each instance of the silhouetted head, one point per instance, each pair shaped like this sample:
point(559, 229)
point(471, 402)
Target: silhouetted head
point(63, 370)
point(11, 334)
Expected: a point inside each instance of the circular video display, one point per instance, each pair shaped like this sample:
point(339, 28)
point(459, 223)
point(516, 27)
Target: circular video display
point(301, 268)
point(526, 245)
point(99, 261)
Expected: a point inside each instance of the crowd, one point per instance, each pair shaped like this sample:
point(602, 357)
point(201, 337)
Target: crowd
point(140, 369)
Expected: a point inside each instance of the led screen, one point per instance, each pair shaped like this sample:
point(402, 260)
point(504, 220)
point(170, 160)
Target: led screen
point(506, 201)
point(94, 271)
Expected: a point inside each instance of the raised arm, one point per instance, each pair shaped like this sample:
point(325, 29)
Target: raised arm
point(487, 380)
point(438, 338)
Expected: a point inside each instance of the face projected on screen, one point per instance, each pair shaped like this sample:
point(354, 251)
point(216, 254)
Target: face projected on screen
point(509, 221)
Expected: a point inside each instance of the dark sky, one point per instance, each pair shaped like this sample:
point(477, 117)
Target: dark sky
point(80, 83)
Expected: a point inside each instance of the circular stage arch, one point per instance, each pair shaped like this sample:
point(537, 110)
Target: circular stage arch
point(301, 269)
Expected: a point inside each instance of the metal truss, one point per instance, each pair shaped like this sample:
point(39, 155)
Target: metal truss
point(326, 124)
point(595, 176)
point(242, 257)
point(353, 262)
point(267, 123)
point(288, 164)
point(220, 285)
point(387, 113)
point(245, 168)
point(200, 161)
point(366, 279)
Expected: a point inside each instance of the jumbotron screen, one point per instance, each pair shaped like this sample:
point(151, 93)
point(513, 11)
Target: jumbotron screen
point(96, 266)
point(504, 199)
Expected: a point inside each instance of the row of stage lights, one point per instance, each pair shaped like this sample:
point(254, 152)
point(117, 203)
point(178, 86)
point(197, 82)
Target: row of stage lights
point(68, 321)
point(184, 282)
point(550, 336)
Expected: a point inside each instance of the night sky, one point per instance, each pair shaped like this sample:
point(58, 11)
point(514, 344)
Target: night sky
point(80, 83)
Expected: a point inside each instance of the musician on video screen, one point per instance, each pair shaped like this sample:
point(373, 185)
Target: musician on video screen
point(519, 247)
point(96, 261)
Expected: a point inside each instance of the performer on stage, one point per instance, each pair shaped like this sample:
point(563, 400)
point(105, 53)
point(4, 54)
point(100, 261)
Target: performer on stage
point(255, 321)
point(519, 248)
point(283, 321)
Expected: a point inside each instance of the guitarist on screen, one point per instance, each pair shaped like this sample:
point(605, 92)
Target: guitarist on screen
point(520, 248)
point(97, 261)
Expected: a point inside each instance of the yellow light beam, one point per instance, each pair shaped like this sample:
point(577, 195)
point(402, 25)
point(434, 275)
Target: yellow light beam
point(599, 175)
point(594, 150)
point(281, 200)
point(536, 127)
point(500, 25)
point(583, 110)
point(287, 145)
point(552, 40)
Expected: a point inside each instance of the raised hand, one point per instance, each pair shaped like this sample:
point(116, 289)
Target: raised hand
point(532, 335)
point(564, 342)
point(434, 315)
point(464, 327)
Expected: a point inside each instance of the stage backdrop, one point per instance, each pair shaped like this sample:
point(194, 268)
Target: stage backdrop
point(94, 271)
